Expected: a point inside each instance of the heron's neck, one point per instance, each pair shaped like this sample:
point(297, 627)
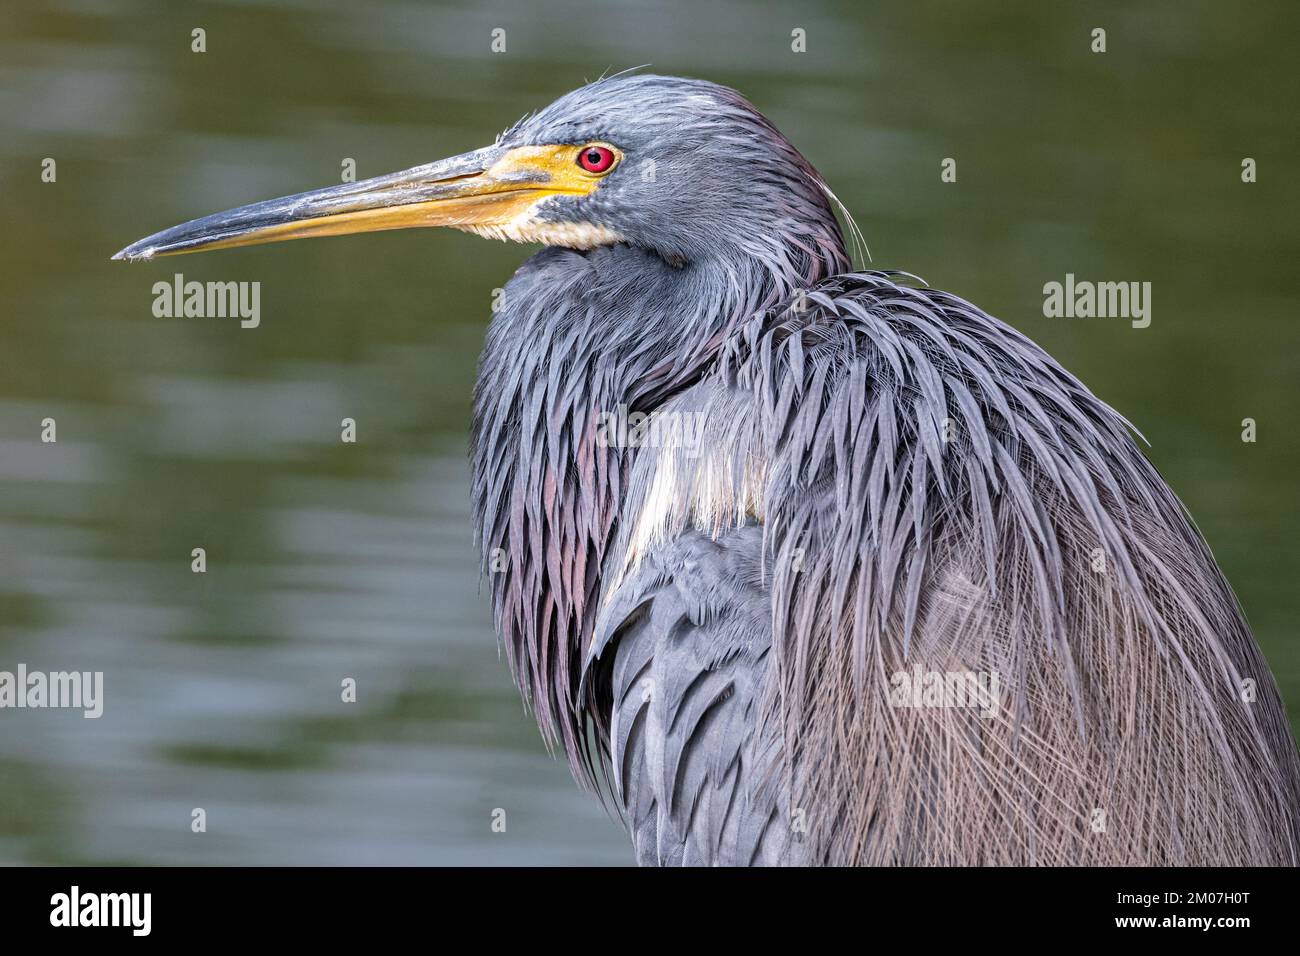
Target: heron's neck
point(616, 330)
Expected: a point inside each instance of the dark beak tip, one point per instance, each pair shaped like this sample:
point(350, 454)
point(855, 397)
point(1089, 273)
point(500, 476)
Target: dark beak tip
point(132, 253)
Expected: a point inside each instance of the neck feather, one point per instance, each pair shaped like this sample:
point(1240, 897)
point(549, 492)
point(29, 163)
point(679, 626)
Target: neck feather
point(578, 335)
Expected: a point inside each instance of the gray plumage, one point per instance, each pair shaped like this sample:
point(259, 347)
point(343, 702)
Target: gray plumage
point(891, 479)
point(689, 635)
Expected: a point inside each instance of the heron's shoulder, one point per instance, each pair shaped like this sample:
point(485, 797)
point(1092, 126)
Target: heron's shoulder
point(889, 317)
point(857, 375)
point(923, 356)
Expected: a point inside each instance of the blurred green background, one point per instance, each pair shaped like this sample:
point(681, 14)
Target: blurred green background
point(329, 560)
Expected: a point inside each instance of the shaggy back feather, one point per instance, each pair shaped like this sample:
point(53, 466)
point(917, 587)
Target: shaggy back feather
point(940, 496)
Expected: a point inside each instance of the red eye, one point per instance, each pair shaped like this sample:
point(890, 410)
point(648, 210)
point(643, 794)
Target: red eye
point(596, 159)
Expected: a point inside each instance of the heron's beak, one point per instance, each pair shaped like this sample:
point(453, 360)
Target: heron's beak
point(485, 189)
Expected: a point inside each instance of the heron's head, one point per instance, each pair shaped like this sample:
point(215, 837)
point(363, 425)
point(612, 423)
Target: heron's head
point(686, 168)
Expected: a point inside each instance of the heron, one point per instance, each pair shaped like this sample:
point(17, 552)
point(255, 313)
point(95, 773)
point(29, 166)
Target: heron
point(747, 620)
